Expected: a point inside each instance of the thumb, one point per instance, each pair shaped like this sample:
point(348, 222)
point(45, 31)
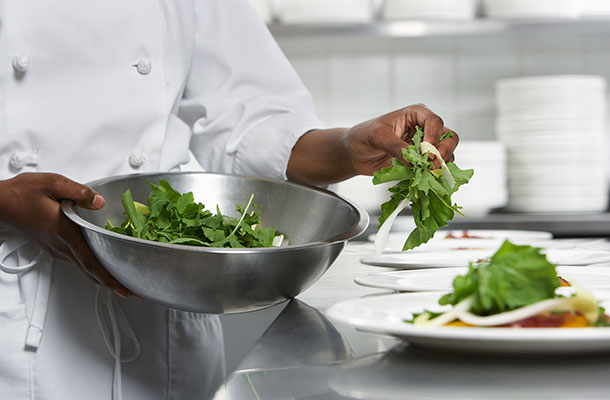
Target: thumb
point(390, 144)
point(63, 188)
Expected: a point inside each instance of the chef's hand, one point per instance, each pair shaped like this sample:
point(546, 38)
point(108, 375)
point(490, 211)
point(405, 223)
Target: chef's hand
point(332, 155)
point(30, 207)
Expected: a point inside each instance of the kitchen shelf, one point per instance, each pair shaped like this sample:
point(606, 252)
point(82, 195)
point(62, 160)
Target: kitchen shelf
point(416, 28)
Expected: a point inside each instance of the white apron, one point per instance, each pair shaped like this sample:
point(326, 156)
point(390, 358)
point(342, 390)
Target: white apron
point(166, 354)
point(94, 88)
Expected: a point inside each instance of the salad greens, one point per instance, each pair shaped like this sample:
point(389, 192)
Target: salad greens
point(428, 191)
point(172, 217)
point(515, 277)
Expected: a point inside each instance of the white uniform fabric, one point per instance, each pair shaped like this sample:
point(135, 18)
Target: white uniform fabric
point(94, 88)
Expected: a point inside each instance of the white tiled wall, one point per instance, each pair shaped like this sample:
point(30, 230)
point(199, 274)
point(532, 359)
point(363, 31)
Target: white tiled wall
point(356, 78)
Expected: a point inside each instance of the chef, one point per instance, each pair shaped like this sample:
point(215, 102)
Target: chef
point(93, 88)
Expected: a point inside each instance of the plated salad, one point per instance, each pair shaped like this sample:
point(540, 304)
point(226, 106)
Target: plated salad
point(173, 217)
point(515, 288)
point(427, 190)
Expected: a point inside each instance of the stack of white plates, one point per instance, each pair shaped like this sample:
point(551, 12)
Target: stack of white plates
point(554, 130)
point(487, 188)
point(510, 9)
point(264, 8)
point(325, 11)
point(429, 9)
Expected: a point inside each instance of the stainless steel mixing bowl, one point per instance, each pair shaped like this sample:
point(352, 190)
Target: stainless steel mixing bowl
point(217, 280)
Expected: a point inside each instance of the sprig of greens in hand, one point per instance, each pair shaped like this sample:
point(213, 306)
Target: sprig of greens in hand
point(428, 191)
point(172, 217)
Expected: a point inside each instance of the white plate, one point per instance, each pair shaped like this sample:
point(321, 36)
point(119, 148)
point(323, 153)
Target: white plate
point(495, 234)
point(551, 82)
point(385, 315)
point(478, 240)
point(462, 258)
point(323, 11)
point(427, 259)
point(477, 234)
point(592, 278)
point(395, 244)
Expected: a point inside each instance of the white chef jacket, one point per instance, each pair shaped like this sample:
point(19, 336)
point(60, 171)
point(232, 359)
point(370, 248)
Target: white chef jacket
point(93, 88)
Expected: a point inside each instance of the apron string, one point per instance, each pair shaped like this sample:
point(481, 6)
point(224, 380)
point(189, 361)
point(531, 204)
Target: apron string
point(10, 246)
point(115, 328)
point(111, 318)
point(43, 264)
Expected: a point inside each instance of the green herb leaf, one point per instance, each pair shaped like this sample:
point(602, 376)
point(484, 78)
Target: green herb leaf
point(515, 277)
point(447, 136)
point(137, 218)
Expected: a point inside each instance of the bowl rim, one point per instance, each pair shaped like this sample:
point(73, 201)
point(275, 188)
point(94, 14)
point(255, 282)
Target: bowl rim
point(358, 228)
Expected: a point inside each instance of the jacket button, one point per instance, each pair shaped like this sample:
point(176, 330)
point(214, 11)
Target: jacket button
point(20, 159)
point(144, 66)
point(21, 62)
point(136, 159)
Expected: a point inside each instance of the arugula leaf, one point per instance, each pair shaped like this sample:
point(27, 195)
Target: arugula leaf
point(431, 315)
point(447, 136)
point(426, 188)
point(173, 217)
point(137, 218)
point(516, 276)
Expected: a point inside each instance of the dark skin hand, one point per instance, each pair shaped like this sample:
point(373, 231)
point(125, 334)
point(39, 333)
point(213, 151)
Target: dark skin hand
point(30, 207)
point(327, 156)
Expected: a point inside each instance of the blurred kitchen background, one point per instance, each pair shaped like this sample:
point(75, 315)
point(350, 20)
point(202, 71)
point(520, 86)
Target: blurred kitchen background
point(524, 82)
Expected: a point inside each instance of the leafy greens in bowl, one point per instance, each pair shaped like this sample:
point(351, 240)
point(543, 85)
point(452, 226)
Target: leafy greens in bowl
point(175, 218)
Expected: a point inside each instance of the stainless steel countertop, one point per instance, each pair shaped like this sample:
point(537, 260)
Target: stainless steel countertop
point(304, 355)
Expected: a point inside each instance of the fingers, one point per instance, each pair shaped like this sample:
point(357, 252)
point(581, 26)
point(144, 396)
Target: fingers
point(81, 255)
point(390, 144)
point(62, 188)
point(434, 128)
point(432, 124)
point(448, 146)
point(30, 208)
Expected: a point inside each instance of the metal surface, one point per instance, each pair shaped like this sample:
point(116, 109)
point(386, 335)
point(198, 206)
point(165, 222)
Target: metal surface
point(300, 343)
point(309, 335)
point(429, 28)
point(406, 373)
point(214, 280)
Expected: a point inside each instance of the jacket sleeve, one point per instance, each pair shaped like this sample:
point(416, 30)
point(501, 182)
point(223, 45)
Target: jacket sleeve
point(244, 102)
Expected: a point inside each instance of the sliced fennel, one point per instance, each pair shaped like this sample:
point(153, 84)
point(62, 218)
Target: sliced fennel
point(381, 239)
point(582, 302)
point(279, 240)
point(429, 148)
point(445, 318)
